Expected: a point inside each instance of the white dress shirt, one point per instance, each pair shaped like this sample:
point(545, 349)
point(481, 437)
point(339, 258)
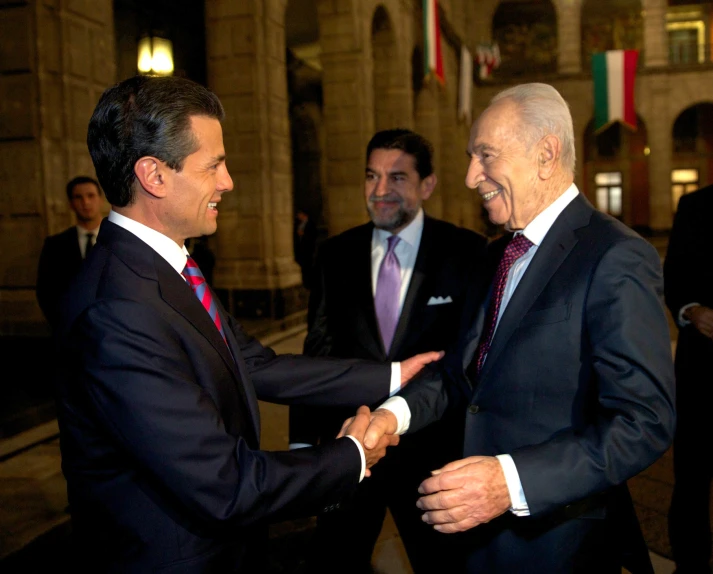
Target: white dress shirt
point(82, 233)
point(535, 232)
point(176, 257)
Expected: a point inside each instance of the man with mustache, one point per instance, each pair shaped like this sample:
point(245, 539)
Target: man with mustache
point(356, 311)
point(565, 371)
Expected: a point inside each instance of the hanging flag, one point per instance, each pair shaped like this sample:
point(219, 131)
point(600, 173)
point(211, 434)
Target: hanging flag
point(614, 73)
point(487, 56)
point(465, 89)
point(433, 59)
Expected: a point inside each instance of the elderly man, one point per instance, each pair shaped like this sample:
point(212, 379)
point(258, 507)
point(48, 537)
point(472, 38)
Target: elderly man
point(157, 385)
point(566, 369)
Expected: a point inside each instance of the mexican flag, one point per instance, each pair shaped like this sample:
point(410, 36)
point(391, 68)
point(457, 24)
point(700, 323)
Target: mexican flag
point(433, 59)
point(614, 73)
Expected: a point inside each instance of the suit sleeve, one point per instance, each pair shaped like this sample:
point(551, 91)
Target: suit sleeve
point(144, 391)
point(631, 420)
point(683, 267)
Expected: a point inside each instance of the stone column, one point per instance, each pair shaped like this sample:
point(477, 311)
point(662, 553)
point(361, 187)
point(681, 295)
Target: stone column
point(56, 58)
point(569, 31)
point(256, 275)
point(428, 124)
point(348, 110)
point(655, 36)
point(660, 137)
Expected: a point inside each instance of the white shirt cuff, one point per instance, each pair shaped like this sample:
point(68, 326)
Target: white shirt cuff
point(512, 478)
point(399, 407)
point(296, 445)
point(681, 320)
point(361, 454)
point(395, 385)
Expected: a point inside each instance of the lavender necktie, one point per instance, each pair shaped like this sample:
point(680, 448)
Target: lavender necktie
point(388, 289)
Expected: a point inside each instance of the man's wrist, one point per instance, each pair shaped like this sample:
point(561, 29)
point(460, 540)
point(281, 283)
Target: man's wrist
point(361, 454)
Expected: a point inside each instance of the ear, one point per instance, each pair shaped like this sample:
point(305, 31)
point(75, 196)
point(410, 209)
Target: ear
point(548, 155)
point(151, 174)
point(428, 184)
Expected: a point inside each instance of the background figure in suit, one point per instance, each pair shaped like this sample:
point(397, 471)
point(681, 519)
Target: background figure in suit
point(566, 368)
point(688, 283)
point(157, 385)
point(62, 254)
point(438, 261)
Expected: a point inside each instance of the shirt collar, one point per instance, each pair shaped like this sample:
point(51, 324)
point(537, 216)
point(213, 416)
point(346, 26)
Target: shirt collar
point(166, 247)
point(84, 231)
point(409, 234)
point(536, 230)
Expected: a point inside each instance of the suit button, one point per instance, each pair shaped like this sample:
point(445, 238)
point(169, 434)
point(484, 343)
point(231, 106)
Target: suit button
point(473, 409)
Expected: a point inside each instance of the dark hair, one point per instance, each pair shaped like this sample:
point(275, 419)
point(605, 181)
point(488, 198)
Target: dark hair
point(144, 116)
point(79, 180)
point(407, 141)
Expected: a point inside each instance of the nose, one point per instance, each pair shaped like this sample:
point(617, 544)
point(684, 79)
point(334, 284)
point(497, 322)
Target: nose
point(381, 187)
point(224, 181)
point(474, 176)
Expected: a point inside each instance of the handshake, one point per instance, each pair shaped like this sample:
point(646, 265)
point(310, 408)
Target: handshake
point(376, 430)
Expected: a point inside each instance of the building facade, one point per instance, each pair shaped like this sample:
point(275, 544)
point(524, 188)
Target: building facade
point(305, 83)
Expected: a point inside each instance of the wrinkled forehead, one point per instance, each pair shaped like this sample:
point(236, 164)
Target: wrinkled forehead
point(498, 122)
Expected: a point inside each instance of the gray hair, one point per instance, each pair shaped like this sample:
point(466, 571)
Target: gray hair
point(543, 111)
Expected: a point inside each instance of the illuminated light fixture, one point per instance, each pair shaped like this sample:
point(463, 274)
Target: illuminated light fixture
point(647, 150)
point(155, 56)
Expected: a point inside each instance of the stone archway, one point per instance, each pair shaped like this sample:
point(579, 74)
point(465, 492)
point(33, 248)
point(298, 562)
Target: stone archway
point(692, 153)
point(610, 25)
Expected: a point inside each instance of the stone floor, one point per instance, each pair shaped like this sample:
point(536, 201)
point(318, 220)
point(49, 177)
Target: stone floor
point(34, 526)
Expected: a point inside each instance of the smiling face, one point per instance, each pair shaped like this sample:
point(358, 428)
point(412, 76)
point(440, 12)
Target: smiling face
point(191, 209)
point(393, 189)
point(503, 170)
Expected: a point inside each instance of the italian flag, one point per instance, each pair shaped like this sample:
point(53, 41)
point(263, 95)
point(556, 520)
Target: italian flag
point(614, 73)
point(433, 59)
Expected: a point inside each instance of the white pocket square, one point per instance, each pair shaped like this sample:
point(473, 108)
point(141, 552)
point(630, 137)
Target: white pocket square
point(439, 300)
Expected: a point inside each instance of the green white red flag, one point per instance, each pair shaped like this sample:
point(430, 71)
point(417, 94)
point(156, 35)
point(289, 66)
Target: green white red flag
point(614, 74)
point(433, 58)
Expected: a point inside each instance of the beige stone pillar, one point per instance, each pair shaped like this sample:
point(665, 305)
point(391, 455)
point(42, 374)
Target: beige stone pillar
point(56, 58)
point(655, 36)
point(427, 123)
point(348, 110)
point(255, 274)
point(569, 31)
point(660, 137)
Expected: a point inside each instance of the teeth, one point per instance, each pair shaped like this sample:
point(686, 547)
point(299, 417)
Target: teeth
point(490, 195)
point(212, 205)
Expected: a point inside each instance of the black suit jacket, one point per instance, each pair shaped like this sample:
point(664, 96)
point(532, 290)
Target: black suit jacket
point(577, 387)
point(159, 420)
point(60, 261)
point(688, 278)
point(342, 319)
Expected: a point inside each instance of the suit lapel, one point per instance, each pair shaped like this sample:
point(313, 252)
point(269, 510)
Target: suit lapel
point(553, 250)
point(363, 292)
point(178, 294)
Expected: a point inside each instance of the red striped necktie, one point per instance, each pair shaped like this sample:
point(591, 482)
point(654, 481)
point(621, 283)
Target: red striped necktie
point(195, 279)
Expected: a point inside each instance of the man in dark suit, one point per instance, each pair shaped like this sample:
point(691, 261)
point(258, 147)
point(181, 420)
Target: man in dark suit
point(688, 285)
point(62, 254)
point(566, 368)
point(157, 385)
point(437, 263)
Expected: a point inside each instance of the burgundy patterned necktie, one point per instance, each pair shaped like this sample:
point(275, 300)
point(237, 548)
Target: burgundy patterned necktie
point(195, 279)
point(388, 293)
point(518, 246)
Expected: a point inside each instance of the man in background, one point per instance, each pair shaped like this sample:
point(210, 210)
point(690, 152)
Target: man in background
point(688, 285)
point(62, 254)
point(384, 291)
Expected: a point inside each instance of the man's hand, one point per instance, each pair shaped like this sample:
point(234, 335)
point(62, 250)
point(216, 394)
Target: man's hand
point(412, 366)
point(357, 427)
point(464, 493)
point(701, 317)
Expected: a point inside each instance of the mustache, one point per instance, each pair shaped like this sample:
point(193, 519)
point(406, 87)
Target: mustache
point(388, 197)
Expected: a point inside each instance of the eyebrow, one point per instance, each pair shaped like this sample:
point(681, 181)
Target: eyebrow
point(369, 170)
point(217, 159)
point(479, 149)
